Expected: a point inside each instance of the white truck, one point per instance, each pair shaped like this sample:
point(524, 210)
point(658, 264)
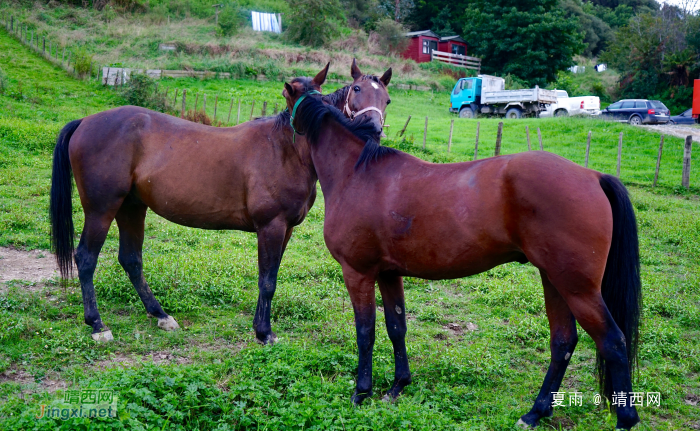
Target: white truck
point(486, 95)
point(565, 105)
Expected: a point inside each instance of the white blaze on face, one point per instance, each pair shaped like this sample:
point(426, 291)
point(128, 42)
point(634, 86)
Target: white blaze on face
point(374, 84)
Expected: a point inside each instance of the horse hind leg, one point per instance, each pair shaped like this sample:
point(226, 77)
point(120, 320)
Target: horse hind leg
point(563, 340)
point(391, 288)
point(86, 254)
point(130, 219)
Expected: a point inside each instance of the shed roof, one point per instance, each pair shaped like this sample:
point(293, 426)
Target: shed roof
point(421, 33)
point(454, 38)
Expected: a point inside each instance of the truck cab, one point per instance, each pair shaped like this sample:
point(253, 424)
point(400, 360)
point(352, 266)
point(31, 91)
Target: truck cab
point(465, 92)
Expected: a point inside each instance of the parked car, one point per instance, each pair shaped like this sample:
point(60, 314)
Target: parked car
point(637, 111)
point(565, 106)
point(686, 117)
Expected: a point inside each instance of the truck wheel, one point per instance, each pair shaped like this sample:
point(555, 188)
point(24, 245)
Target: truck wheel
point(635, 120)
point(514, 113)
point(466, 112)
point(561, 113)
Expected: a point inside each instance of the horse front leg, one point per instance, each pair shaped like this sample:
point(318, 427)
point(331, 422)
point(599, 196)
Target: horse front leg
point(391, 287)
point(361, 290)
point(272, 239)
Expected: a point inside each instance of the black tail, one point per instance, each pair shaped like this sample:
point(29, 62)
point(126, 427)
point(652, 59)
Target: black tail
point(61, 206)
point(622, 287)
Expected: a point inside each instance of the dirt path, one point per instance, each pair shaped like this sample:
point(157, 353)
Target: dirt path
point(677, 131)
point(34, 266)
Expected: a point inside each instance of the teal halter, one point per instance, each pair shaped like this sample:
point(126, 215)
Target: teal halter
point(294, 111)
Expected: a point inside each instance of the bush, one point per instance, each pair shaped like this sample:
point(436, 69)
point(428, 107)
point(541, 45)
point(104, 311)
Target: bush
point(83, 62)
point(230, 21)
point(390, 35)
point(142, 90)
point(4, 82)
point(314, 22)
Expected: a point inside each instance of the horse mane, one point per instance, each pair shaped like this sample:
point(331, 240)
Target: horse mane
point(311, 113)
point(337, 98)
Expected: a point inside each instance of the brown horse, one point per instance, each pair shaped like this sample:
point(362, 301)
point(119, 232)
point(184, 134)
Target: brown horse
point(255, 177)
point(389, 214)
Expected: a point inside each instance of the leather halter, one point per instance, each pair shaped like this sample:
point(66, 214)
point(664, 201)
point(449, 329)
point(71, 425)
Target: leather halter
point(352, 114)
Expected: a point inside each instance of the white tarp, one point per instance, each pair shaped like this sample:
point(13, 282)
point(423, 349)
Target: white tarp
point(265, 22)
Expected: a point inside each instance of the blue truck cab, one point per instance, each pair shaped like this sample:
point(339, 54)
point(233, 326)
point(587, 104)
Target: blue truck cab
point(465, 92)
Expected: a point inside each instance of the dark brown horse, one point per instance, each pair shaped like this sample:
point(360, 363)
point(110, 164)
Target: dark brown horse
point(253, 177)
point(389, 215)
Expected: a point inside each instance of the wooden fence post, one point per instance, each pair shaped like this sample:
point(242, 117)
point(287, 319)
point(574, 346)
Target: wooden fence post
point(476, 144)
point(404, 126)
point(449, 141)
point(499, 136)
point(686, 161)
point(264, 109)
point(63, 59)
point(425, 132)
point(238, 118)
point(658, 161)
point(276, 109)
point(588, 148)
point(539, 136)
point(619, 155)
point(196, 101)
point(216, 102)
point(527, 133)
point(230, 107)
point(252, 107)
point(204, 104)
point(184, 97)
point(43, 45)
point(175, 99)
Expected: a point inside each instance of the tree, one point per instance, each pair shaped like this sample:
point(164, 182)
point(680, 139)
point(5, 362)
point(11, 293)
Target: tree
point(531, 39)
point(390, 35)
point(596, 32)
point(441, 23)
point(314, 22)
point(361, 13)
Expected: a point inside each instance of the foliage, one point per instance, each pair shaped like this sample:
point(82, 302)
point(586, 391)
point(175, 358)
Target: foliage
point(230, 20)
point(4, 82)
point(441, 23)
point(597, 33)
point(82, 62)
point(657, 56)
point(530, 39)
point(391, 37)
point(388, 9)
point(141, 90)
point(314, 22)
point(361, 13)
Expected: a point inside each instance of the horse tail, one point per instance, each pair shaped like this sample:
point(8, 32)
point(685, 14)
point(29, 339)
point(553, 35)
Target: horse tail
point(622, 286)
point(61, 204)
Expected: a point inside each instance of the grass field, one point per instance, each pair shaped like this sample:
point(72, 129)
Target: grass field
point(479, 375)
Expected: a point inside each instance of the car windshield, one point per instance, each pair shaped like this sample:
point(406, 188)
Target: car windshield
point(658, 105)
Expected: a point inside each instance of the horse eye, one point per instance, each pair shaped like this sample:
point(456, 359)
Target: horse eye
point(356, 88)
point(388, 101)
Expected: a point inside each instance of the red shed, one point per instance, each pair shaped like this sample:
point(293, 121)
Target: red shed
point(452, 45)
point(423, 43)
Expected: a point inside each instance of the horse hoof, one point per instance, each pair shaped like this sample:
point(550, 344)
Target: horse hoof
point(168, 324)
point(522, 425)
point(103, 337)
point(388, 399)
point(268, 340)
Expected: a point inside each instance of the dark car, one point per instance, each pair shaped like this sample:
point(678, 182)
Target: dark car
point(637, 111)
point(684, 118)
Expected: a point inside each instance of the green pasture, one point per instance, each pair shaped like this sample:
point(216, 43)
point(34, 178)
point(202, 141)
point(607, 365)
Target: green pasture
point(211, 375)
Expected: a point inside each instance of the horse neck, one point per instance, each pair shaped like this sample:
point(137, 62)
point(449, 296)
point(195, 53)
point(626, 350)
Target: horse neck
point(337, 98)
point(334, 156)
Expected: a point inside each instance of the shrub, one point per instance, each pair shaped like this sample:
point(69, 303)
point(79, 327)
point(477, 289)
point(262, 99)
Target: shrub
point(390, 35)
point(314, 22)
point(142, 90)
point(198, 117)
point(4, 82)
point(230, 21)
point(83, 62)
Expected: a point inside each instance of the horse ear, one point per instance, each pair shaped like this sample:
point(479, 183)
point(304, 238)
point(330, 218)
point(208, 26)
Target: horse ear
point(321, 77)
point(289, 89)
point(354, 70)
point(386, 77)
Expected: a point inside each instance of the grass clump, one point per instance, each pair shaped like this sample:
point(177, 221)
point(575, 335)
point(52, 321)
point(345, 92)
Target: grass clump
point(142, 90)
